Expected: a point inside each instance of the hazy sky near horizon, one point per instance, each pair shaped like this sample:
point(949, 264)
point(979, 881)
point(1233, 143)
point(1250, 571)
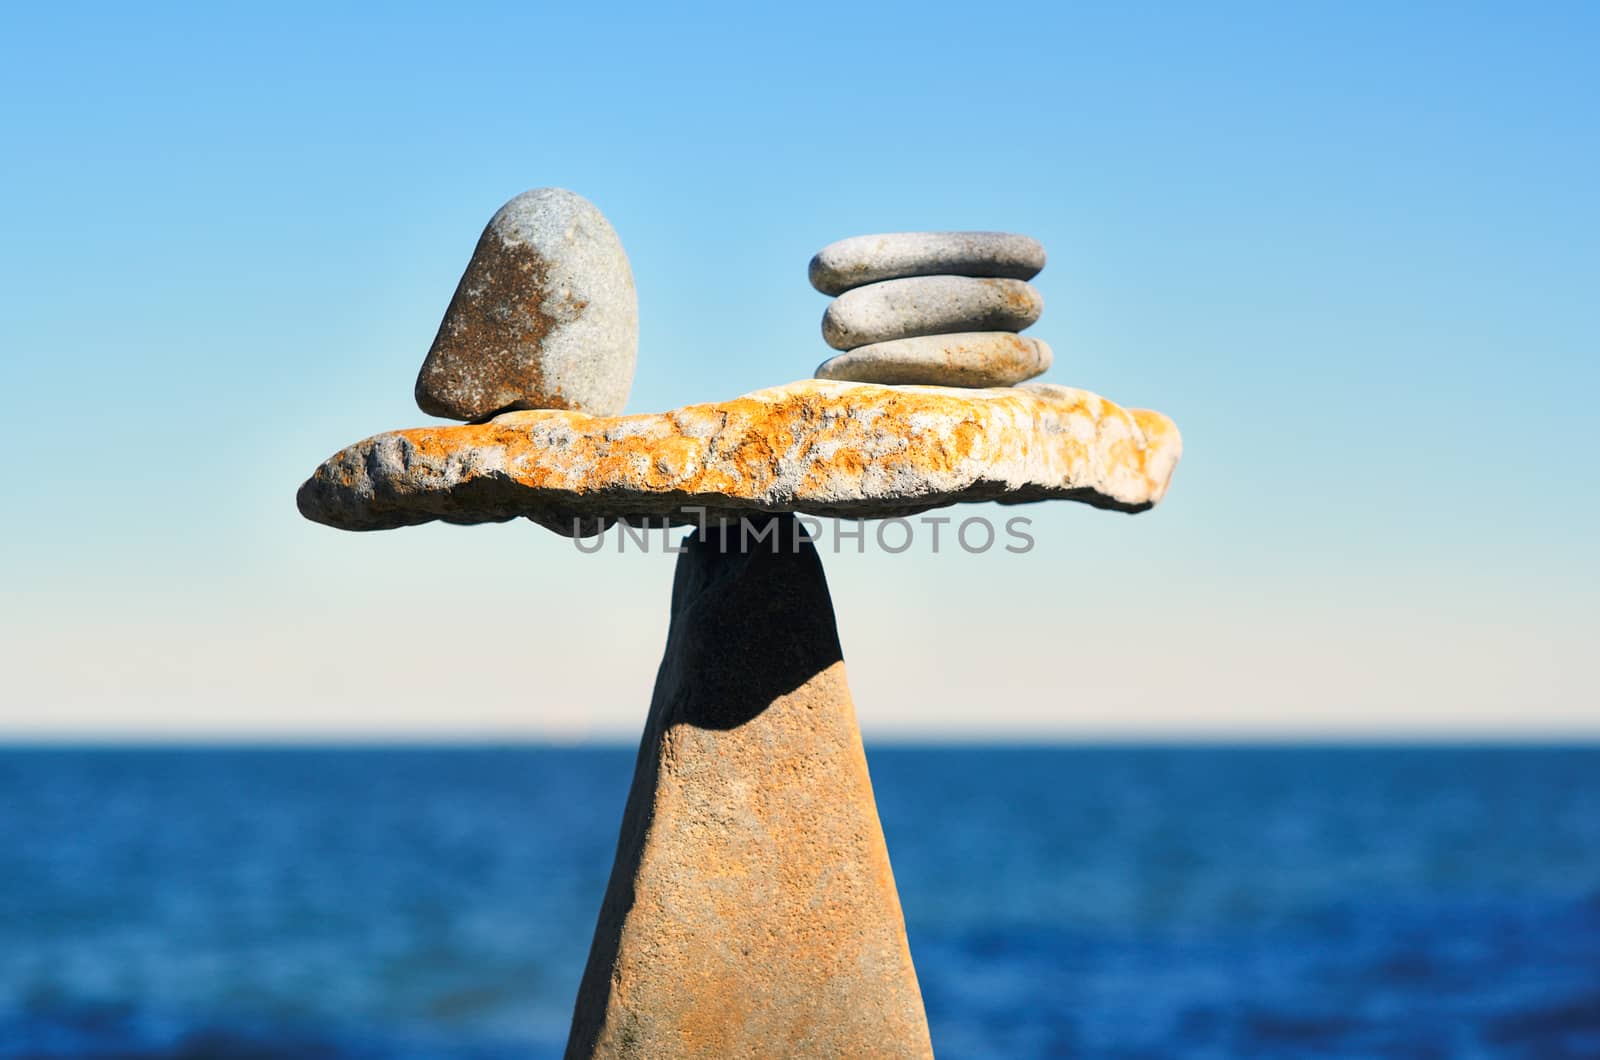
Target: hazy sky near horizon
point(1353, 250)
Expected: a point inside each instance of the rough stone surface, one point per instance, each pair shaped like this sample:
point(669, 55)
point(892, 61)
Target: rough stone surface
point(867, 259)
point(752, 911)
point(928, 305)
point(544, 317)
point(816, 446)
point(967, 359)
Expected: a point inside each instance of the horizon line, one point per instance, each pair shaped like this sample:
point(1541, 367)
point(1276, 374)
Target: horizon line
point(200, 740)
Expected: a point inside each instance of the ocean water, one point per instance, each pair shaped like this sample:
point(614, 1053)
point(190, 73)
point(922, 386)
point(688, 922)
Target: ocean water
point(1184, 902)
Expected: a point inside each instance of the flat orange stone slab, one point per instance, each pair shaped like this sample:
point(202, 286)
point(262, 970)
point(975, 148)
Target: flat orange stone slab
point(826, 448)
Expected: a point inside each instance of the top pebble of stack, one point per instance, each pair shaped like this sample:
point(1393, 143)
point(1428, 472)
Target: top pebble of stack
point(850, 263)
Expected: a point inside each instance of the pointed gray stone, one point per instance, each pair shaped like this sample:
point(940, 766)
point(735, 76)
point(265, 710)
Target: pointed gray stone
point(545, 317)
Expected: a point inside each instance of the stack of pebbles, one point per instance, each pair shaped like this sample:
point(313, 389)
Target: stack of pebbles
point(939, 308)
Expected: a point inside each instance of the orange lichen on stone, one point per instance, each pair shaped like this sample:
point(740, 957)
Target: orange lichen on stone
point(817, 446)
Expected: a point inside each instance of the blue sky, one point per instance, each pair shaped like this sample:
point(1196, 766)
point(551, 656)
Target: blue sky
point(1351, 249)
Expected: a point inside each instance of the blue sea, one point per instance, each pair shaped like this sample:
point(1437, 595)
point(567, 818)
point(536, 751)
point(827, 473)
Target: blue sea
point(1094, 902)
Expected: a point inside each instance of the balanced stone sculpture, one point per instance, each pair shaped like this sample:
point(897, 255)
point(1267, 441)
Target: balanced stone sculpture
point(751, 910)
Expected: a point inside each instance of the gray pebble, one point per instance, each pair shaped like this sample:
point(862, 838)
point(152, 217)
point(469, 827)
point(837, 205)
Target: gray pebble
point(928, 305)
point(969, 359)
point(867, 259)
point(545, 317)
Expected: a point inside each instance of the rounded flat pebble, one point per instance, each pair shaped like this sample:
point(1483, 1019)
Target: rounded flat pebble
point(967, 359)
point(862, 260)
point(928, 305)
point(545, 316)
